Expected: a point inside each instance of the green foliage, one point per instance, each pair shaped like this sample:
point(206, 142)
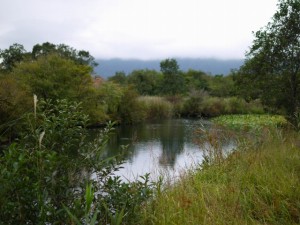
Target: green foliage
point(80, 57)
point(196, 80)
point(156, 107)
point(50, 71)
point(251, 186)
point(199, 103)
point(130, 110)
point(177, 102)
point(46, 176)
point(40, 172)
point(16, 53)
point(246, 122)
point(221, 86)
point(128, 198)
point(192, 106)
point(11, 56)
point(109, 96)
point(14, 103)
point(173, 81)
point(119, 78)
point(54, 77)
point(271, 71)
point(146, 82)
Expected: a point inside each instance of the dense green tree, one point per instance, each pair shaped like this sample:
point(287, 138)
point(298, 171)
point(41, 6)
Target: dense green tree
point(173, 81)
point(272, 67)
point(52, 76)
point(147, 82)
point(55, 77)
point(196, 80)
point(119, 78)
point(130, 109)
point(81, 57)
point(109, 95)
point(16, 53)
point(221, 86)
point(15, 101)
point(11, 56)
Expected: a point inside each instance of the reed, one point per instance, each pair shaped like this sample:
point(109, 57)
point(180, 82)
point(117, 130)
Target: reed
point(156, 107)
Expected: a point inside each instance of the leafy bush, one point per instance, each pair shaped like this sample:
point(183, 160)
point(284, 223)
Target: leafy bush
point(46, 175)
point(192, 105)
point(14, 103)
point(215, 106)
point(130, 109)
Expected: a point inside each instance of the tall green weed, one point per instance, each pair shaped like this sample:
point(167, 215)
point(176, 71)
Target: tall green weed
point(156, 107)
point(256, 184)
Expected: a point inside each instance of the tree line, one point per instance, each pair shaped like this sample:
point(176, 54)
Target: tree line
point(270, 75)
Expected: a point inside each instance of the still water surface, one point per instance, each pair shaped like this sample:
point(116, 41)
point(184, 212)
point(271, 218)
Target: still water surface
point(166, 147)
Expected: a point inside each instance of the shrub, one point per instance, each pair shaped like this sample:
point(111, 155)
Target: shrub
point(130, 109)
point(46, 175)
point(215, 106)
point(156, 107)
point(15, 101)
point(177, 103)
point(192, 104)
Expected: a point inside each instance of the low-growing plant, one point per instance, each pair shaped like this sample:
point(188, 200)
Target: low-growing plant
point(251, 121)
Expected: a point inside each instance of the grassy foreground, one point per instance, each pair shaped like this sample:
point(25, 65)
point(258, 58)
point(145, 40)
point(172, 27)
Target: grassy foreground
point(257, 184)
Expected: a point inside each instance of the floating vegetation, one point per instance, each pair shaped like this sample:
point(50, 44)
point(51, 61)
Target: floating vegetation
point(244, 122)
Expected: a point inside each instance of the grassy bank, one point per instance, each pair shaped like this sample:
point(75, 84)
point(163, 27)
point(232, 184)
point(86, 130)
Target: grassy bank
point(257, 184)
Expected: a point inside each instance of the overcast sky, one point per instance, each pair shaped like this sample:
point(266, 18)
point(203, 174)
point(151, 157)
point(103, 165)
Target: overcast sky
point(142, 29)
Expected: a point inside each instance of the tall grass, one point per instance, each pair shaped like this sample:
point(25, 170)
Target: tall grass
point(207, 106)
point(156, 107)
point(256, 185)
point(215, 106)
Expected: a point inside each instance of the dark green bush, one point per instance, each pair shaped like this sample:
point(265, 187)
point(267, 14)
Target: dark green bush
point(130, 109)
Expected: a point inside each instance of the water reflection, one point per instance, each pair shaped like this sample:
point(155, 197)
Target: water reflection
point(160, 147)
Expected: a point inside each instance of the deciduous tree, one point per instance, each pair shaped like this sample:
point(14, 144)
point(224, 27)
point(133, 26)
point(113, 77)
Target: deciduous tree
point(272, 68)
point(11, 56)
point(173, 81)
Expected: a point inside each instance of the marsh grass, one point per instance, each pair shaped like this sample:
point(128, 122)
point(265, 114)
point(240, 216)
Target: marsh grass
point(251, 186)
point(156, 107)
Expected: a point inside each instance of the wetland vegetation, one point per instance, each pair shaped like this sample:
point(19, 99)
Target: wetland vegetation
point(52, 172)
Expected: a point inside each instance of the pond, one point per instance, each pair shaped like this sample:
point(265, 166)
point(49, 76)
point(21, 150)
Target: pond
point(160, 148)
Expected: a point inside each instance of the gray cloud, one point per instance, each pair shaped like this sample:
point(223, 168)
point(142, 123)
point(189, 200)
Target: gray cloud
point(137, 28)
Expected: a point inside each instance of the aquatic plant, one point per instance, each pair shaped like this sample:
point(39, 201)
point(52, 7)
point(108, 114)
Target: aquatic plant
point(250, 121)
